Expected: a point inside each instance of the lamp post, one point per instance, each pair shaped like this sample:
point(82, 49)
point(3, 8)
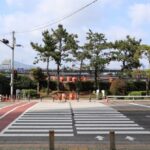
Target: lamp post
point(6, 42)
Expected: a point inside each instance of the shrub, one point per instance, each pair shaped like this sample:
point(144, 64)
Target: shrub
point(29, 93)
point(137, 93)
point(118, 87)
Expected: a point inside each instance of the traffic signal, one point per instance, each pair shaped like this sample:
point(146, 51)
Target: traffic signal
point(15, 74)
point(5, 41)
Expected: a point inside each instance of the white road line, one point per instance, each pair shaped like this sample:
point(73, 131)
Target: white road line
point(140, 105)
point(98, 112)
point(40, 127)
point(9, 105)
point(106, 125)
point(91, 122)
point(148, 116)
point(12, 110)
point(43, 121)
point(100, 138)
point(37, 130)
point(39, 123)
point(110, 128)
point(116, 132)
point(48, 114)
point(100, 115)
point(98, 119)
point(45, 118)
point(130, 138)
point(35, 135)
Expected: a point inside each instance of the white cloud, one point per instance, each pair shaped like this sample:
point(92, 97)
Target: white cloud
point(46, 11)
point(15, 2)
point(140, 14)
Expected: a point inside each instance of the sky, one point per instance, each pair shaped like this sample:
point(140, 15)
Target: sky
point(114, 18)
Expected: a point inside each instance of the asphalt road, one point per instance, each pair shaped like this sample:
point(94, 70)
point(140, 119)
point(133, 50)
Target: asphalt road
point(80, 123)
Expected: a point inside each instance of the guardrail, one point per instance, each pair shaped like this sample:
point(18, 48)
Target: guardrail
point(128, 97)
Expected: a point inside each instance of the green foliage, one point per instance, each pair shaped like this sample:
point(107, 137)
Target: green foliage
point(65, 43)
point(87, 86)
point(24, 82)
point(118, 87)
point(137, 93)
point(136, 86)
point(127, 52)
point(29, 93)
point(145, 49)
point(52, 85)
point(4, 85)
point(96, 45)
point(70, 86)
point(45, 52)
point(37, 74)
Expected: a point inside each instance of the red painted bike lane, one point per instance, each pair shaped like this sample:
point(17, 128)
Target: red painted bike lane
point(5, 121)
point(9, 108)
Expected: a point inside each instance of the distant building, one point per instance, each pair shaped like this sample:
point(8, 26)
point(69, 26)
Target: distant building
point(20, 67)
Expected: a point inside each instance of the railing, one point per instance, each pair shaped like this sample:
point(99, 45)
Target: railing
point(128, 97)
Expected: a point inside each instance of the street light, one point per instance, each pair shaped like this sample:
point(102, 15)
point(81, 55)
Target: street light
point(6, 42)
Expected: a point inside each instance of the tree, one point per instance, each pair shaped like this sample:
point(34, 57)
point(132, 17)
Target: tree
point(118, 87)
point(38, 76)
point(127, 52)
point(96, 45)
point(45, 52)
point(80, 55)
point(65, 42)
point(4, 85)
point(24, 82)
point(145, 49)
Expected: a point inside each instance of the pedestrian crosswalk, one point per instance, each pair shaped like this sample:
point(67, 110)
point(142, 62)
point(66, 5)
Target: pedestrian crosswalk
point(71, 119)
point(96, 120)
point(42, 118)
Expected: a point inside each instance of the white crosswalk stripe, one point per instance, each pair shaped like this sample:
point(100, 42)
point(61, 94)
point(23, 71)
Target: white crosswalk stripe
point(96, 120)
point(42, 118)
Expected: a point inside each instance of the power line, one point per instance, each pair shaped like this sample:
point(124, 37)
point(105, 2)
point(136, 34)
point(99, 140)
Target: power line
point(59, 20)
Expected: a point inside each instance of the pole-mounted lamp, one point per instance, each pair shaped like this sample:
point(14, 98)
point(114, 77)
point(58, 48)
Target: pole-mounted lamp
point(6, 42)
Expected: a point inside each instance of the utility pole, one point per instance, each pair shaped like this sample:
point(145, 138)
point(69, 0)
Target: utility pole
point(12, 65)
point(6, 42)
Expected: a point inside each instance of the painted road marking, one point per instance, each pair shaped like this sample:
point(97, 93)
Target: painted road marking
point(100, 119)
point(102, 122)
point(43, 121)
point(12, 110)
point(9, 105)
point(36, 135)
point(117, 132)
point(30, 124)
point(130, 138)
point(100, 138)
point(39, 123)
point(112, 121)
point(140, 105)
point(147, 116)
point(110, 128)
point(39, 127)
point(37, 130)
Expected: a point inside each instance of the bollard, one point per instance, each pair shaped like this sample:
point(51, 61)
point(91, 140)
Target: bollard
point(41, 98)
point(112, 140)
point(51, 140)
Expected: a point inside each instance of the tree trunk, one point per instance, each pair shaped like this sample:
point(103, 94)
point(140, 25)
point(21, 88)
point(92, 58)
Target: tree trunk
point(58, 76)
point(48, 75)
point(38, 87)
point(96, 84)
